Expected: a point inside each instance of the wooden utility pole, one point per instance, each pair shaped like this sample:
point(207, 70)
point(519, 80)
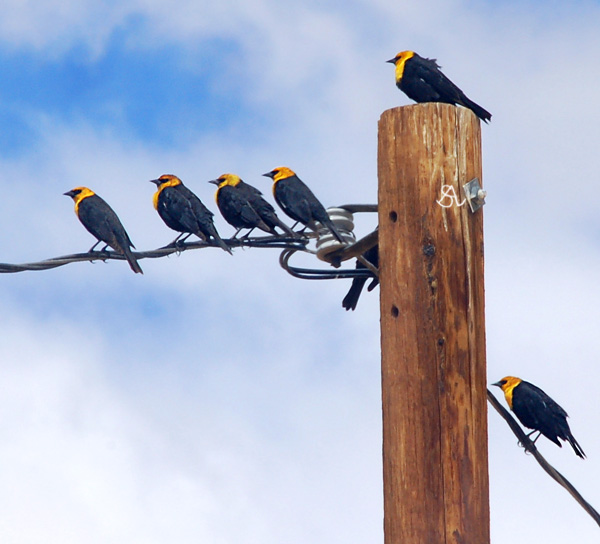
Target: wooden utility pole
point(435, 464)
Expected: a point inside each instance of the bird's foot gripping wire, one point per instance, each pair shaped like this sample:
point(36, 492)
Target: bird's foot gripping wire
point(246, 236)
point(100, 255)
point(91, 250)
point(179, 244)
point(529, 445)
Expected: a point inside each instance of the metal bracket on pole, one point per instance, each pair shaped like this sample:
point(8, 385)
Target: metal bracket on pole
point(474, 194)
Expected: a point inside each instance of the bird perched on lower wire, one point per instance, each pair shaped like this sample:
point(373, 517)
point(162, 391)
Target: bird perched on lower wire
point(298, 201)
point(183, 211)
point(351, 299)
point(243, 206)
point(103, 223)
point(422, 80)
point(538, 411)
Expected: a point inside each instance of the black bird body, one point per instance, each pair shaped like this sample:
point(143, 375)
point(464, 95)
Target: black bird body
point(236, 209)
point(183, 211)
point(297, 200)
point(351, 299)
point(243, 206)
point(537, 411)
point(422, 81)
point(103, 223)
point(264, 209)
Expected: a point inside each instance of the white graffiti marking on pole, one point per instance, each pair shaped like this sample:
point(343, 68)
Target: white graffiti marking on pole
point(448, 193)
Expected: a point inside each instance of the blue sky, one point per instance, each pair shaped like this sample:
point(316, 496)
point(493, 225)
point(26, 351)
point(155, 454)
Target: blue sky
point(121, 89)
point(216, 398)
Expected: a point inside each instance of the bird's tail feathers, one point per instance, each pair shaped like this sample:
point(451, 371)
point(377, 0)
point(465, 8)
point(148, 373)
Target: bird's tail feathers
point(285, 228)
point(351, 299)
point(482, 113)
point(329, 224)
point(135, 266)
point(222, 244)
point(576, 447)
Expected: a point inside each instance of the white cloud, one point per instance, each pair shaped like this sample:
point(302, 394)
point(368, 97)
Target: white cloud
point(94, 455)
point(52, 27)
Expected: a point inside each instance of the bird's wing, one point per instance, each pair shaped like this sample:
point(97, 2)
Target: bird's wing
point(248, 189)
point(198, 207)
point(260, 205)
point(101, 221)
point(244, 208)
point(177, 210)
point(294, 200)
point(550, 404)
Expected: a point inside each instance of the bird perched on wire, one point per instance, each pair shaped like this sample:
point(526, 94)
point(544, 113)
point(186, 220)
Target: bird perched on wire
point(184, 212)
point(422, 80)
point(103, 223)
point(351, 299)
point(537, 411)
point(298, 201)
point(243, 206)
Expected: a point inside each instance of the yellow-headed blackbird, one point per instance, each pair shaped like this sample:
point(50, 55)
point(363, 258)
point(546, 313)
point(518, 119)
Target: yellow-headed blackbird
point(351, 299)
point(183, 211)
point(422, 80)
point(298, 201)
point(538, 411)
point(102, 222)
point(243, 206)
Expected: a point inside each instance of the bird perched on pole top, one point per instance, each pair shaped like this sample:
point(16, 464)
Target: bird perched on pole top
point(103, 223)
point(422, 81)
point(183, 211)
point(537, 411)
point(243, 206)
point(298, 201)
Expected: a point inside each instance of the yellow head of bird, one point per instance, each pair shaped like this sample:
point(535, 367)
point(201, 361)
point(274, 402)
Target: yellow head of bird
point(166, 180)
point(400, 60)
point(226, 179)
point(279, 173)
point(78, 194)
point(403, 56)
point(507, 384)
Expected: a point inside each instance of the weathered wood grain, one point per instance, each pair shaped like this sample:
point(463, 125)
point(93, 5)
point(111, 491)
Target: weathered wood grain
point(432, 329)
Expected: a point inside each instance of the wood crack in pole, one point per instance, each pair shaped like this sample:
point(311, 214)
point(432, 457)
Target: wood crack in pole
point(432, 328)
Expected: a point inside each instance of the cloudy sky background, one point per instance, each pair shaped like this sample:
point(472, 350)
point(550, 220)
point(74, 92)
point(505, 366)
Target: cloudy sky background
point(212, 400)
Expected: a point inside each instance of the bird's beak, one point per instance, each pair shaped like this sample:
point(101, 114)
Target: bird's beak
point(155, 181)
point(69, 193)
point(497, 384)
point(269, 175)
point(393, 61)
point(215, 182)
